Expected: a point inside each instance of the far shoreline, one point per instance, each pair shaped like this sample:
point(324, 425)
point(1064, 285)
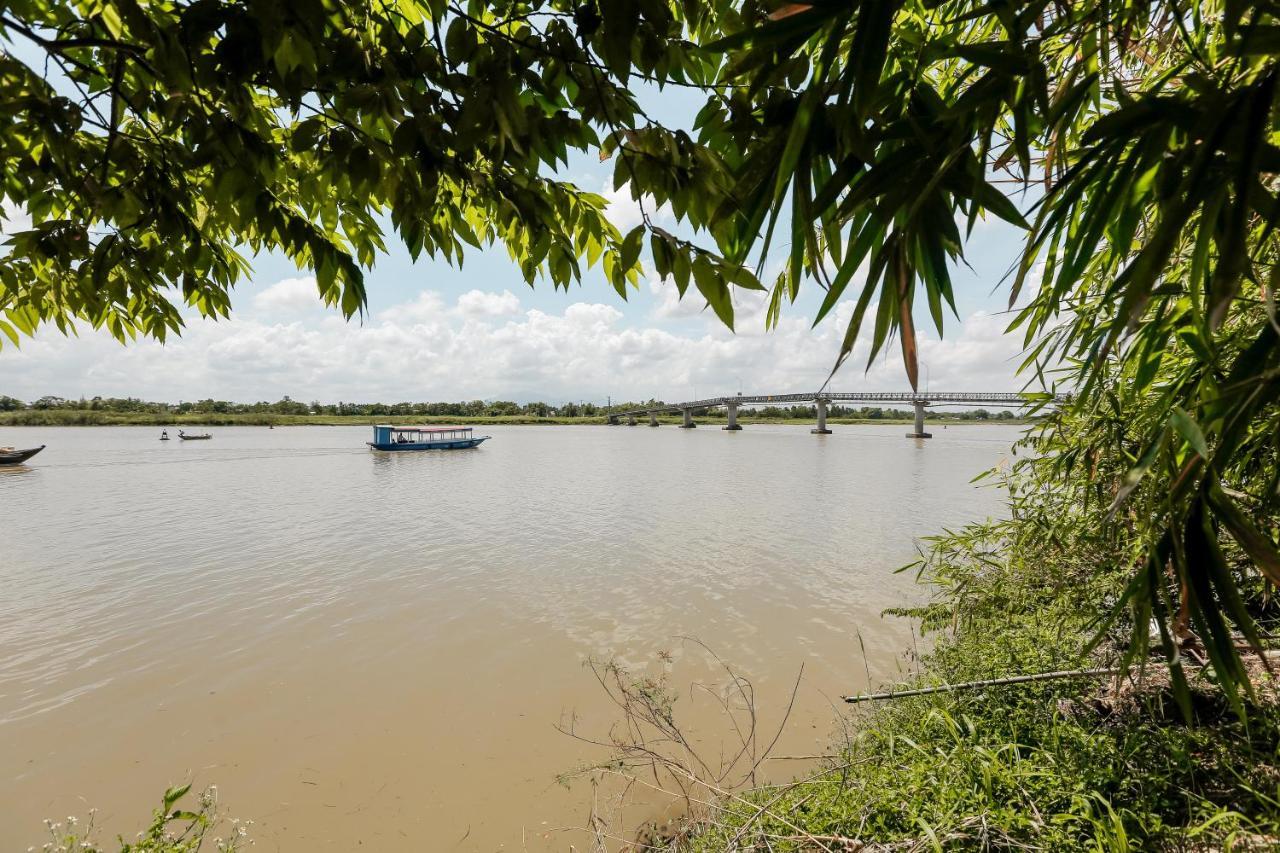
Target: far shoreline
point(86, 417)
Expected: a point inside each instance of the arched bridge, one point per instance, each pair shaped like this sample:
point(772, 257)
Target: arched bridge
point(822, 399)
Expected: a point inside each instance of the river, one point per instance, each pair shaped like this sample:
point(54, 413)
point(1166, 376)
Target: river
point(376, 649)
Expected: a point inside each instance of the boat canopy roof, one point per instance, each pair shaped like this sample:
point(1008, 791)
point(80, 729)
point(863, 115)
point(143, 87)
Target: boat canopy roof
point(424, 428)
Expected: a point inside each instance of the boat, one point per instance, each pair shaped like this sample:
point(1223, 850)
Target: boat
point(164, 435)
point(204, 436)
point(392, 438)
point(10, 456)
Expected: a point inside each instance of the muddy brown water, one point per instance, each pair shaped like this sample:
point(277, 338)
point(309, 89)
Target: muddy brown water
point(375, 650)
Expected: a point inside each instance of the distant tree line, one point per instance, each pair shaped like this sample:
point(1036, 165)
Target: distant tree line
point(876, 413)
point(471, 409)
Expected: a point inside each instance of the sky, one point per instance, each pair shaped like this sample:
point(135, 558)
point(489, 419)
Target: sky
point(438, 332)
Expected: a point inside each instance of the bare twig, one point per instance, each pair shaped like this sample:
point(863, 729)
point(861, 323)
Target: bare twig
point(990, 682)
point(649, 749)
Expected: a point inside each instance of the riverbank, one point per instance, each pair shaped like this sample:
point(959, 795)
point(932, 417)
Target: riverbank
point(85, 417)
point(1079, 763)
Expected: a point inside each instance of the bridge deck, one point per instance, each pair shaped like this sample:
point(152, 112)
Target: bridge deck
point(990, 398)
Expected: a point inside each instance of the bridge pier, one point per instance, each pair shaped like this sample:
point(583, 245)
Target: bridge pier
point(631, 420)
point(653, 419)
point(732, 409)
point(611, 420)
point(688, 419)
point(919, 425)
point(821, 406)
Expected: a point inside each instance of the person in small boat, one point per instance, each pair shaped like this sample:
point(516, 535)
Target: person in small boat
point(402, 439)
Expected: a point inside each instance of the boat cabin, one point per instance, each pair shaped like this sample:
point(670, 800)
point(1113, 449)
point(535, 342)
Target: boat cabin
point(387, 437)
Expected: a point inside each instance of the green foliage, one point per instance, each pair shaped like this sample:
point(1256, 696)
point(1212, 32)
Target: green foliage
point(1162, 758)
point(1190, 498)
point(173, 829)
point(153, 145)
point(988, 774)
point(1075, 764)
point(1141, 129)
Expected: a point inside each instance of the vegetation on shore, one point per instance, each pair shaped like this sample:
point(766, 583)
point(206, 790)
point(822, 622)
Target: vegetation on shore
point(83, 417)
point(178, 826)
point(1090, 763)
point(89, 417)
point(99, 411)
point(1160, 757)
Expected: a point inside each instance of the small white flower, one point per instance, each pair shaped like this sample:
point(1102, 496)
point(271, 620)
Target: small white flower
point(71, 820)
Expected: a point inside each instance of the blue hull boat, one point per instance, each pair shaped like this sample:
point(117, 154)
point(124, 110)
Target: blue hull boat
point(393, 439)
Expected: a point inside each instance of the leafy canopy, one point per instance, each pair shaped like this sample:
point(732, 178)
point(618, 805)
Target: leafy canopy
point(156, 145)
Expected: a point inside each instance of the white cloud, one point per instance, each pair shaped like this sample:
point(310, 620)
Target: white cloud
point(13, 218)
point(669, 304)
point(419, 350)
point(477, 303)
point(428, 307)
point(625, 212)
point(290, 294)
point(980, 358)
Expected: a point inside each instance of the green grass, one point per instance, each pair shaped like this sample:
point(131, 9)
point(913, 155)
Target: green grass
point(1062, 765)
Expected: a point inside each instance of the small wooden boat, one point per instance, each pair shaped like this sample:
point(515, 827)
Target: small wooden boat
point(392, 438)
point(204, 436)
point(9, 456)
point(164, 435)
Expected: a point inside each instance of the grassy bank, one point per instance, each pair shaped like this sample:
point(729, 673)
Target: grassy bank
point(1084, 763)
point(85, 417)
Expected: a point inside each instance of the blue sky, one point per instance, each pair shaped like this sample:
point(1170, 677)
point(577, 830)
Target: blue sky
point(434, 331)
